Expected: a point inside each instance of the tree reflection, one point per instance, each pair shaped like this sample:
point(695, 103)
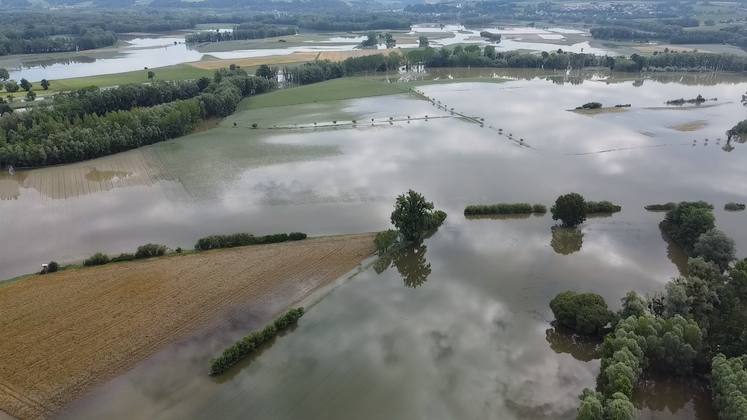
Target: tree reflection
point(664, 393)
point(566, 241)
point(581, 347)
point(411, 264)
point(675, 254)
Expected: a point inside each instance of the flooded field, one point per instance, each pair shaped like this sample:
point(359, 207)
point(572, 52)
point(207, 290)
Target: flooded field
point(455, 327)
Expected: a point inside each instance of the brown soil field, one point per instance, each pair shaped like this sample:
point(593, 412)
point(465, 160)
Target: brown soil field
point(271, 60)
point(691, 126)
point(64, 333)
point(342, 55)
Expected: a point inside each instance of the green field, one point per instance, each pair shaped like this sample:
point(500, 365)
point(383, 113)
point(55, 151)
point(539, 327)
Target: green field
point(177, 72)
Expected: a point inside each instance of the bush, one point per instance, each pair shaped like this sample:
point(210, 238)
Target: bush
point(734, 206)
point(178, 250)
point(385, 240)
point(591, 105)
point(97, 259)
point(254, 125)
point(237, 351)
point(539, 208)
point(501, 208)
point(51, 268)
point(124, 257)
point(601, 207)
point(586, 313)
point(661, 207)
point(150, 250)
point(570, 209)
point(687, 221)
point(244, 239)
point(296, 236)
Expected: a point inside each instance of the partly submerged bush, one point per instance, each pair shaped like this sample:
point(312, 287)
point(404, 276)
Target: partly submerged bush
point(602, 207)
point(244, 239)
point(539, 208)
point(237, 351)
point(97, 259)
point(150, 250)
point(734, 206)
point(501, 208)
point(586, 313)
point(124, 257)
point(661, 207)
point(590, 105)
point(385, 240)
point(52, 267)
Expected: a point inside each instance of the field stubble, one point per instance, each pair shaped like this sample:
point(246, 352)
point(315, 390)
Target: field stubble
point(66, 332)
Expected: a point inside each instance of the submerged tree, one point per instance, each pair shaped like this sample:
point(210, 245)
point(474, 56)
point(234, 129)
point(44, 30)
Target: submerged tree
point(413, 216)
point(586, 313)
point(570, 209)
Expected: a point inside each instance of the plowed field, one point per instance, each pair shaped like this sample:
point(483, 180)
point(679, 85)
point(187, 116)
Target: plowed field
point(63, 333)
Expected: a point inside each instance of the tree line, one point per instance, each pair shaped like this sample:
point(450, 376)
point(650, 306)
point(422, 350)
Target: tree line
point(248, 30)
point(89, 39)
point(45, 135)
point(319, 71)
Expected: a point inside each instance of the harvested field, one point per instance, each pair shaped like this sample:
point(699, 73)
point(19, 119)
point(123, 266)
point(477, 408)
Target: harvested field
point(661, 48)
point(272, 60)
point(691, 126)
point(342, 55)
point(66, 332)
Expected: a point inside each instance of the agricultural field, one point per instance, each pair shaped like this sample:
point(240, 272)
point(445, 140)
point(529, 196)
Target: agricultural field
point(253, 62)
point(68, 331)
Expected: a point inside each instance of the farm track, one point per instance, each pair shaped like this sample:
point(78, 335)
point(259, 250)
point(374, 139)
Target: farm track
point(64, 333)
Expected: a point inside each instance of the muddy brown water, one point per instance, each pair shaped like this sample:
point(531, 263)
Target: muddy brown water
point(455, 327)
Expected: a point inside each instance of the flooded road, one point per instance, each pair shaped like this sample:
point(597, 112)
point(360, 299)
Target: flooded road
point(455, 327)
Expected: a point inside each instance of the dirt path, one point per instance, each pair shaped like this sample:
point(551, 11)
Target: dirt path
point(63, 333)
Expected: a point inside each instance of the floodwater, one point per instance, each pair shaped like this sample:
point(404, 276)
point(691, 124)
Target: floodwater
point(155, 52)
point(457, 326)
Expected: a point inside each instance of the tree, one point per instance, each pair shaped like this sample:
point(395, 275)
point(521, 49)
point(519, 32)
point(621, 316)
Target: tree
point(45, 84)
point(632, 305)
point(11, 86)
point(717, 247)
point(586, 313)
point(687, 221)
point(385, 240)
point(25, 85)
point(570, 209)
point(370, 41)
point(390, 42)
point(151, 75)
point(591, 406)
point(267, 72)
point(30, 96)
point(413, 216)
point(422, 41)
point(202, 83)
point(489, 52)
point(619, 407)
point(709, 22)
point(4, 75)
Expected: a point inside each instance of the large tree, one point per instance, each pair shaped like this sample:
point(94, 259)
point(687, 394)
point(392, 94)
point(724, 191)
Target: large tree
point(4, 75)
point(570, 209)
point(11, 86)
point(45, 84)
point(717, 247)
point(586, 313)
point(413, 216)
point(25, 85)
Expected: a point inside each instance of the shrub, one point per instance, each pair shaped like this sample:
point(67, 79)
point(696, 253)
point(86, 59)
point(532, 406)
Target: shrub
point(591, 105)
point(51, 268)
point(602, 207)
point(501, 208)
point(296, 236)
point(436, 219)
point(150, 250)
point(385, 240)
point(178, 250)
point(124, 257)
point(586, 313)
point(237, 351)
point(244, 239)
point(734, 206)
point(97, 259)
point(539, 208)
point(661, 207)
point(255, 125)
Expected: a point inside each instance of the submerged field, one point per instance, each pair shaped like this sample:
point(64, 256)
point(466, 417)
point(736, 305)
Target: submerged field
point(457, 326)
point(63, 333)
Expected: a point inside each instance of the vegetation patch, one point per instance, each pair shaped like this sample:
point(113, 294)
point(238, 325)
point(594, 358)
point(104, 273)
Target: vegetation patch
point(602, 207)
point(597, 111)
point(682, 101)
point(661, 207)
point(586, 313)
point(734, 206)
point(237, 351)
point(245, 239)
point(691, 126)
point(505, 208)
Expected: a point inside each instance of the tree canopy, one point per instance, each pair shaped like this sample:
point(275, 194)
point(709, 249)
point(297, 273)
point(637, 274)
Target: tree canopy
point(586, 313)
point(413, 216)
point(570, 209)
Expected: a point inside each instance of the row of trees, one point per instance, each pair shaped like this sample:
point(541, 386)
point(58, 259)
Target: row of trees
point(319, 71)
point(45, 136)
point(90, 39)
point(249, 30)
point(245, 239)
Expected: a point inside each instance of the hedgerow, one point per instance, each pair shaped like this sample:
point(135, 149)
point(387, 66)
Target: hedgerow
point(504, 208)
point(661, 207)
point(602, 207)
point(244, 239)
point(734, 206)
point(237, 351)
point(97, 259)
point(150, 250)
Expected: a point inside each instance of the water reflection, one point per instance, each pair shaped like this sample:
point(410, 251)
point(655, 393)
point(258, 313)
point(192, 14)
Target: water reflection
point(517, 216)
point(566, 241)
point(676, 254)
point(410, 263)
point(667, 397)
point(582, 347)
